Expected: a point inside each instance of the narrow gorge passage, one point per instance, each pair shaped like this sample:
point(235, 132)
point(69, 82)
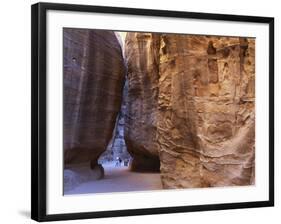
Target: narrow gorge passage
point(157, 110)
point(111, 167)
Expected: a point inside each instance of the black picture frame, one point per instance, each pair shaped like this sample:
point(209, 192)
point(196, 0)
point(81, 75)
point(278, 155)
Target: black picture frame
point(38, 108)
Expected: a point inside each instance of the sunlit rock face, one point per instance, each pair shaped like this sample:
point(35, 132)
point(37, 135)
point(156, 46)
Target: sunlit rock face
point(193, 103)
point(94, 74)
point(206, 122)
point(142, 55)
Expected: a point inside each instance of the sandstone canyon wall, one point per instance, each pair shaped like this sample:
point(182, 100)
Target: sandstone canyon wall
point(192, 104)
point(142, 55)
point(94, 72)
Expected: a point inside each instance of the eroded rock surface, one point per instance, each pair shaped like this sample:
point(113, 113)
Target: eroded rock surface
point(193, 102)
point(94, 74)
point(142, 57)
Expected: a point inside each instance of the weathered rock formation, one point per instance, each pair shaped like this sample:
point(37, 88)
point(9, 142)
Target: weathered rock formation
point(193, 103)
point(206, 111)
point(94, 74)
point(142, 57)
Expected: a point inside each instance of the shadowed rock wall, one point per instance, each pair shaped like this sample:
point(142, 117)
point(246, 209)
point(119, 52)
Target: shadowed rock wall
point(94, 74)
point(203, 107)
point(142, 57)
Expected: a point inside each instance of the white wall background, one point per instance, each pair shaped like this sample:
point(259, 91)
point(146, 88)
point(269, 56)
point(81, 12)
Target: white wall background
point(15, 110)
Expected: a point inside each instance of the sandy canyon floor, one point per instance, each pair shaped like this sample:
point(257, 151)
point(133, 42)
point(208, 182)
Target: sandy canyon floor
point(118, 179)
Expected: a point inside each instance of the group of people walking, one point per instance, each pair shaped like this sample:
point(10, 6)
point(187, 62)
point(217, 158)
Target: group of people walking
point(120, 162)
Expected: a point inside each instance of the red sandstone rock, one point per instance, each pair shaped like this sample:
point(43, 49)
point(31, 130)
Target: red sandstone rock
point(142, 57)
point(94, 74)
point(192, 101)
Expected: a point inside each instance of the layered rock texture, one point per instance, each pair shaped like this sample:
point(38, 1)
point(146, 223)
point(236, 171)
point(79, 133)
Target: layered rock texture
point(94, 74)
point(142, 55)
point(191, 105)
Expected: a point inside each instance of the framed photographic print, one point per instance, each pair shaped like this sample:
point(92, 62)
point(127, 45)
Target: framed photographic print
point(139, 111)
